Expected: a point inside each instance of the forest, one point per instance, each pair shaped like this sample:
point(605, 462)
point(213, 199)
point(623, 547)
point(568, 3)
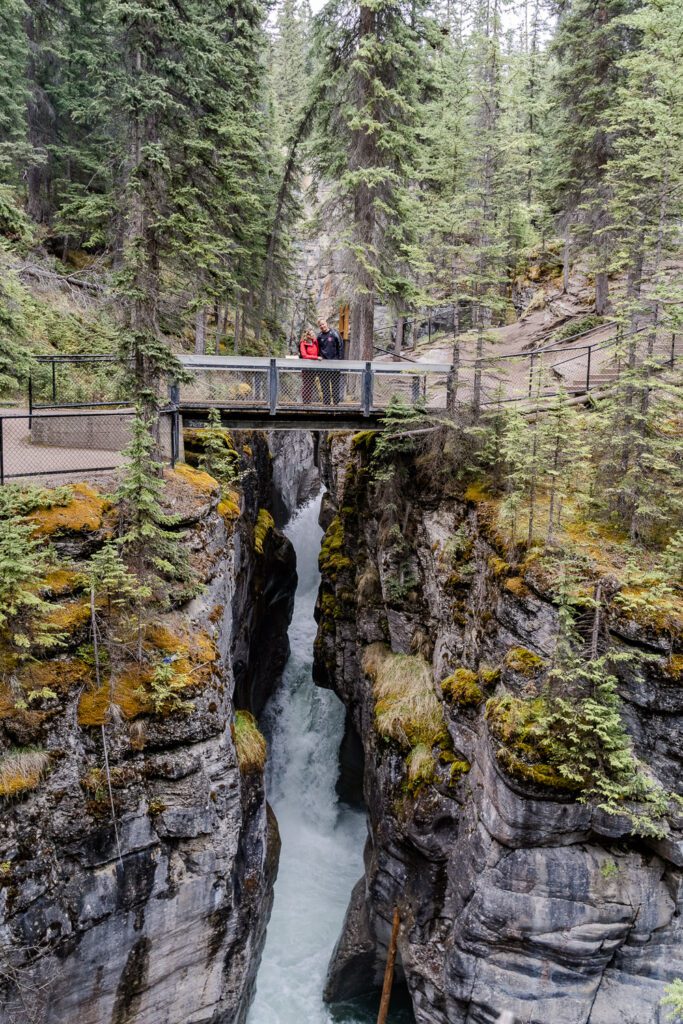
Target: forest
point(187, 178)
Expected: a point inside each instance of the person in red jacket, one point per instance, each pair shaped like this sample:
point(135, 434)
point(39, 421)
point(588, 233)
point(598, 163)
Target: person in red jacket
point(308, 349)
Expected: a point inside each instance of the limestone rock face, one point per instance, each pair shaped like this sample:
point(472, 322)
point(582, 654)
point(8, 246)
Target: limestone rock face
point(512, 896)
point(295, 472)
point(162, 920)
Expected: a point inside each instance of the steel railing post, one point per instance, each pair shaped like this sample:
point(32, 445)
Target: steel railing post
point(2, 453)
point(54, 381)
point(588, 368)
point(367, 389)
point(531, 373)
point(30, 400)
point(272, 386)
point(174, 395)
point(673, 348)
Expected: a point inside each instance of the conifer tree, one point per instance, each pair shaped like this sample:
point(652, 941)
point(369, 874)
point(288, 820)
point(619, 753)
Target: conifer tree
point(589, 45)
point(369, 82)
point(23, 612)
point(147, 540)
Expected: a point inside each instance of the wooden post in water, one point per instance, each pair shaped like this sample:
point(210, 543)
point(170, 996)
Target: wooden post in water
point(389, 971)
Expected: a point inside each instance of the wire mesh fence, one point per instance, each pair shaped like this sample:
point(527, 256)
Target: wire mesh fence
point(66, 444)
point(70, 381)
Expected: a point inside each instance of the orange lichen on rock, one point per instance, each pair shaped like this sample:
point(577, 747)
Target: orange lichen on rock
point(59, 674)
point(61, 582)
point(190, 658)
point(69, 617)
point(196, 478)
point(127, 693)
point(83, 514)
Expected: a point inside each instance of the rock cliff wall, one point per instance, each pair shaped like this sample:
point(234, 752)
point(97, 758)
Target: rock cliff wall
point(513, 894)
point(163, 919)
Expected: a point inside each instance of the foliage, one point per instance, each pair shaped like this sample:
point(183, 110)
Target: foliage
point(22, 499)
point(572, 735)
point(24, 621)
point(396, 439)
point(162, 691)
point(147, 538)
point(218, 456)
point(673, 999)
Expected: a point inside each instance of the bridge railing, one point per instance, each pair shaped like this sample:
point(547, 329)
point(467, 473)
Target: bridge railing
point(288, 385)
point(70, 381)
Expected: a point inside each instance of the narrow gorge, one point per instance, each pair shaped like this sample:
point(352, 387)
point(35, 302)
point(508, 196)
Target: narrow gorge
point(367, 615)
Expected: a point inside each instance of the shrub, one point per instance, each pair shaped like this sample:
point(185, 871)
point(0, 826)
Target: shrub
point(673, 998)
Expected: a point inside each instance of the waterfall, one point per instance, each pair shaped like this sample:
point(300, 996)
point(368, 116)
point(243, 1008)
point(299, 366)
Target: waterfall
point(322, 840)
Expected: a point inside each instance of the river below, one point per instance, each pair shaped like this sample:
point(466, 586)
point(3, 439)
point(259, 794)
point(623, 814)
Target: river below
point(322, 838)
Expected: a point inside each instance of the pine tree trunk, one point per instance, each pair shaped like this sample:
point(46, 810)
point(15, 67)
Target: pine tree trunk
point(601, 293)
point(236, 340)
point(200, 332)
point(365, 307)
point(566, 253)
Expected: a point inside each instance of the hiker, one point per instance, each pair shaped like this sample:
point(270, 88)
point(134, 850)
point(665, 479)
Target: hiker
point(330, 346)
point(308, 349)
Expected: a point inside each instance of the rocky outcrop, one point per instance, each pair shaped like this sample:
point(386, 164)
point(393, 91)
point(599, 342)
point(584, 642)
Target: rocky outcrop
point(295, 472)
point(513, 895)
point(162, 916)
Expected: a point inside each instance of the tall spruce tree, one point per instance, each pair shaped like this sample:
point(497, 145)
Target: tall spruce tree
point(590, 43)
point(370, 83)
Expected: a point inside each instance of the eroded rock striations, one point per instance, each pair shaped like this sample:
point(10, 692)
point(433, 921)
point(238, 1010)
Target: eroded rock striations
point(513, 895)
point(163, 920)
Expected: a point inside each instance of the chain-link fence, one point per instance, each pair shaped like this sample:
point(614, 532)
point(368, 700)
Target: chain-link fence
point(71, 381)
point(69, 444)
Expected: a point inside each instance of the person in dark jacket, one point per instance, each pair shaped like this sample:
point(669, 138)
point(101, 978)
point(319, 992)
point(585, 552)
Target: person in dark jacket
point(330, 346)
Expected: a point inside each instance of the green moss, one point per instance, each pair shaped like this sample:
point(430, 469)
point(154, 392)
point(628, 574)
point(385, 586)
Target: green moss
point(421, 768)
point(364, 440)
point(458, 769)
point(524, 662)
point(539, 774)
point(488, 677)
point(524, 753)
point(81, 513)
point(498, 566)
point(332, 559)
point(264, 525)
point(461, 688)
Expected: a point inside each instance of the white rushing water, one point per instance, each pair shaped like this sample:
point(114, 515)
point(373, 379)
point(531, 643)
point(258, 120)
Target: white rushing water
point(322, 840)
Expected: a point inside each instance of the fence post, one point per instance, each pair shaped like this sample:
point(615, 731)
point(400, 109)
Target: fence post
point(2, 453)
point(531, 374)
point(367, 389)
point(673, 348)
point(452, 381)
point(429, 328)
point(175, 423)
point(30, 400)
point(272, 386)
point(588, 369)
point(54, 381)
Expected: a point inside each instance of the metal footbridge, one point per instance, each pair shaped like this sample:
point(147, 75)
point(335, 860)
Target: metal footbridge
point(296, 393)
